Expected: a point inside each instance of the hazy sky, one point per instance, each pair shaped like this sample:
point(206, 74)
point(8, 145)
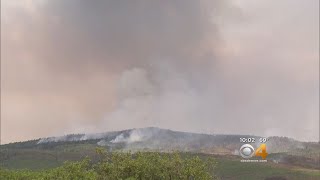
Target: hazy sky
point(236, 67)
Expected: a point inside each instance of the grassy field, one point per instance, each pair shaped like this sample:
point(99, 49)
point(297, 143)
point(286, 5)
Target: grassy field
point(234, 169)
point(229, 167)
point(38, 158)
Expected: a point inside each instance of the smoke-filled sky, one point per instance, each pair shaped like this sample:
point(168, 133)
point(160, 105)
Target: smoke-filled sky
point(210, 66)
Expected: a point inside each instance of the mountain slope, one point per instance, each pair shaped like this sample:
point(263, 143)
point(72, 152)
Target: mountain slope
point(77, 146)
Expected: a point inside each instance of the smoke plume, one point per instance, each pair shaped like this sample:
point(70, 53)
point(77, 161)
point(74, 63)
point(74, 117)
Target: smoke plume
point(208, 66)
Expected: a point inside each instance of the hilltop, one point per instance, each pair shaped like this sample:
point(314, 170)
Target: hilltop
point(77, 146)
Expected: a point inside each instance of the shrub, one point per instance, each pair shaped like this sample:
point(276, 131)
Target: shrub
point(125, 166)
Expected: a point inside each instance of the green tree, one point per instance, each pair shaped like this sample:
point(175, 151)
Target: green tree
point(124, 166)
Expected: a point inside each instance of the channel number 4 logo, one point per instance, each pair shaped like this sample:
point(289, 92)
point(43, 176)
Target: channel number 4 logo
point(247, 151)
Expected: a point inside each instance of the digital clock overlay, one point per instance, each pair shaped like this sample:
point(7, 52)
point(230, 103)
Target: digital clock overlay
point(247, 150)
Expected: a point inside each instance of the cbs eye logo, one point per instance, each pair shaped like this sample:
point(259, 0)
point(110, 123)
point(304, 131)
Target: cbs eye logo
point(247, 151)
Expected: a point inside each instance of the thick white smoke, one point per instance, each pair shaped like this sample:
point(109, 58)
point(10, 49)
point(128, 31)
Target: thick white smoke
point(236, 67)
point(158, 99)
point(135, 136)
